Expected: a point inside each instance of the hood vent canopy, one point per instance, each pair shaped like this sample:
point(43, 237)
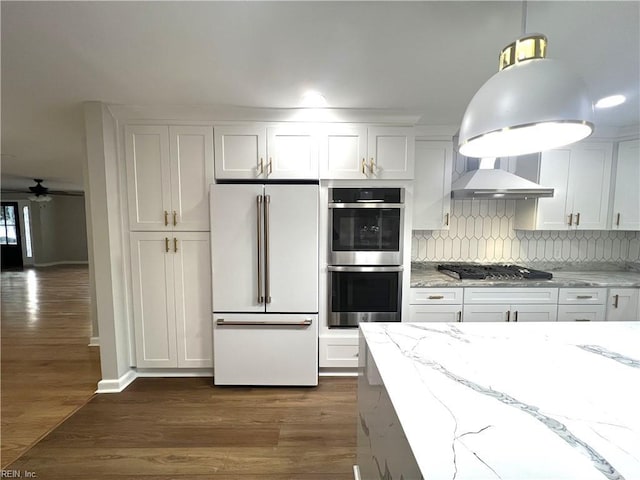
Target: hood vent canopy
point(489, 182)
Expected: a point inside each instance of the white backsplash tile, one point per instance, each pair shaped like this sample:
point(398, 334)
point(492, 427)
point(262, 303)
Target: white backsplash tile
point(482, 231)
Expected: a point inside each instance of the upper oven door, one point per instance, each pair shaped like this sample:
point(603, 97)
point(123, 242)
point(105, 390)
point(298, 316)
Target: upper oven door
point(366, 233)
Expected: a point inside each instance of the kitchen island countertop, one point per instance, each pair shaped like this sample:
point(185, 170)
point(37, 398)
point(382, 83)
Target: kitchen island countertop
point(571, 275)
point(501, 401)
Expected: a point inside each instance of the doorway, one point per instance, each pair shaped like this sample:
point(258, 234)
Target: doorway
point(10, 238)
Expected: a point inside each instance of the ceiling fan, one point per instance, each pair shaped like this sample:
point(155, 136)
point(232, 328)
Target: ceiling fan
point(40, 193)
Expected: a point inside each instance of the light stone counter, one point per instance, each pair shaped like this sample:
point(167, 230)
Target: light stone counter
point(499, 401)
point(569, 275)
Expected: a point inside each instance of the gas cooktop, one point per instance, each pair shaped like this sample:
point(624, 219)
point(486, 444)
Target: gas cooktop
point(464, 271)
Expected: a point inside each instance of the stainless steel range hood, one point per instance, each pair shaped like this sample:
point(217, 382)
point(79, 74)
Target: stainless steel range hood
point(486, 181)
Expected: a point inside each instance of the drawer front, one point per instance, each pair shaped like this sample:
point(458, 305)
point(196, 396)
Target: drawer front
point(435, 296)
point(581, 313)
point(339, 352)
point(527, 296)
point(435, 313)
point(582, 296)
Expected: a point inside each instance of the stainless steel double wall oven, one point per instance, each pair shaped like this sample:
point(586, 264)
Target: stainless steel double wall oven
point(366, 230)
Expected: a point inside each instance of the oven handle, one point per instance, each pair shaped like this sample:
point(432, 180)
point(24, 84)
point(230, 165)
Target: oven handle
point(366, 205)
point(342, 268)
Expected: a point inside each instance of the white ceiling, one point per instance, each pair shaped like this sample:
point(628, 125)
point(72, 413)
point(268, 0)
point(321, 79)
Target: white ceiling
point(421, 58)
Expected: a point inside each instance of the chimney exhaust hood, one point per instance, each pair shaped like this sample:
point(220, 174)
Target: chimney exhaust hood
point(489, 182)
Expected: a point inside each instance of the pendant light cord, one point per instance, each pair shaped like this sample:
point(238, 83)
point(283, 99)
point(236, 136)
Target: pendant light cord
point(524, 17)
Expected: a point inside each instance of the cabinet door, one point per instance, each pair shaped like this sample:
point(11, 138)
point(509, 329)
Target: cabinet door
point(240, 152)
point(293, 248)
point(153, 299)
point(485, 313)
point(148, 177)
point(292, 153)
point(435, 313)
point(533, 313)
point(432, 185)
point(191, 174)
point(391, 152)
point(343, 153)
point(580, 313)
point(552, 213)
point(590, 176)
point(234, 237)
point(626, 203)
point(622, 304)
point(192, 285)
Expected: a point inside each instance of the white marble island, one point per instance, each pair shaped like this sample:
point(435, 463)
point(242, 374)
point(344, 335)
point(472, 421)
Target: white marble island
point(499, 401)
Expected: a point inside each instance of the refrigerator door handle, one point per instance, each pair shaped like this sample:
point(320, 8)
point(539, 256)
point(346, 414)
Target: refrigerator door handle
point(267, 273)
point(236, 323)
point(259, 225)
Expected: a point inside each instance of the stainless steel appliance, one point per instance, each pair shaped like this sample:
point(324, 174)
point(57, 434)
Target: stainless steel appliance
point(366, 226)
point(264, 241)
point(464, 271)
point(364, 294)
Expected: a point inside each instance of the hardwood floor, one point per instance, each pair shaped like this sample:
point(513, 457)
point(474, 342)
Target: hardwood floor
point(48, 371)
point(160, 428)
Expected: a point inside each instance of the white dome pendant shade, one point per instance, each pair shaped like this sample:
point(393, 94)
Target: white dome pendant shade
point(532, 104)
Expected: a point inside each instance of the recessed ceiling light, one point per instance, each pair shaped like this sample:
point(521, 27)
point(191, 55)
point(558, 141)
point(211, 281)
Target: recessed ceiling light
point(611, 101)
point(313, 99)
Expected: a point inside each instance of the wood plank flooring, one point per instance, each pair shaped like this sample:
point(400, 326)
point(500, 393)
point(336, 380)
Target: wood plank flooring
point(160, 428)
point(48, 371)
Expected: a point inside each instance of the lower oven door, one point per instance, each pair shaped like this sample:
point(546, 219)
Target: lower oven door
point(364, 294)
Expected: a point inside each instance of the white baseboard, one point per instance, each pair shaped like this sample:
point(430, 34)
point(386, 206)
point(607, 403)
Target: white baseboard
point(338, 372)
point(174, 372)
point(94, 342)
point(118, 385)
point(63, 262)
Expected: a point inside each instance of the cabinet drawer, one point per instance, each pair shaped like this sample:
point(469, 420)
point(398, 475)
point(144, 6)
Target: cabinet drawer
point(435, 313)
point(577, 313)
point(435, 296)
point(510, 295)
point(583, 296)
point(339, 352)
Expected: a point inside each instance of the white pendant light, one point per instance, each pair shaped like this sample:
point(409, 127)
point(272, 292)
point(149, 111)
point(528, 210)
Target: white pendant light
point(532, 104)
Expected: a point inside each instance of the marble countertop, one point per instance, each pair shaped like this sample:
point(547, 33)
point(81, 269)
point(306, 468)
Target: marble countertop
point(514, 401)
point(424, 274)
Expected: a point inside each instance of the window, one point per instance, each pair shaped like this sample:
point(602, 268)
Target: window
point(27, 231)
point(8, 225)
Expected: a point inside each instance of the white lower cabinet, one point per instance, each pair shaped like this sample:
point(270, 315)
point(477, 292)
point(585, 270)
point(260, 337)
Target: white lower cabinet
point(435, 313)
point(435, 304)
point(171, 284)
point(581, 304)
point(509, 313)
point(623, 304)
point(339, 351)
point(581, 313)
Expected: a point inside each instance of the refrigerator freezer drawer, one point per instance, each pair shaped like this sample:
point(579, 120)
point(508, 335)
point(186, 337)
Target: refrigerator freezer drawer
point(265, 349)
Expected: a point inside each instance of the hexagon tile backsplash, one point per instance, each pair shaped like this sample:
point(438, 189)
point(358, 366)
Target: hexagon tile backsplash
point(482, 231)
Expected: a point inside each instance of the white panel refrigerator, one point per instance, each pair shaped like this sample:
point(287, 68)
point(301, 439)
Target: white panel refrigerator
point(264, 241)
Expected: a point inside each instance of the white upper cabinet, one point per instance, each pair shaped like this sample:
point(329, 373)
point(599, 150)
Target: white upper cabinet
point(432, 185)
point(169, 170)
point(580, 175)
point(259, 153)
point(626, 197)
point(353, 152)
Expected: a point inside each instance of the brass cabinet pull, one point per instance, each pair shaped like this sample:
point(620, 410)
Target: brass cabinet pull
point(166, 244)
point(175, 218)
point(270, 167)
point(618, 220)
point(372, 166)
point(616, 298)
point(570, 219)
point(459, 315)
point(364, 166)
point(446, 219)
point(577, 219)
point(175, 245)
point(166, 218)
point(583, 320)
point(261, 164)
point(508, 315)
point(436, 297)
point(584, 297)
